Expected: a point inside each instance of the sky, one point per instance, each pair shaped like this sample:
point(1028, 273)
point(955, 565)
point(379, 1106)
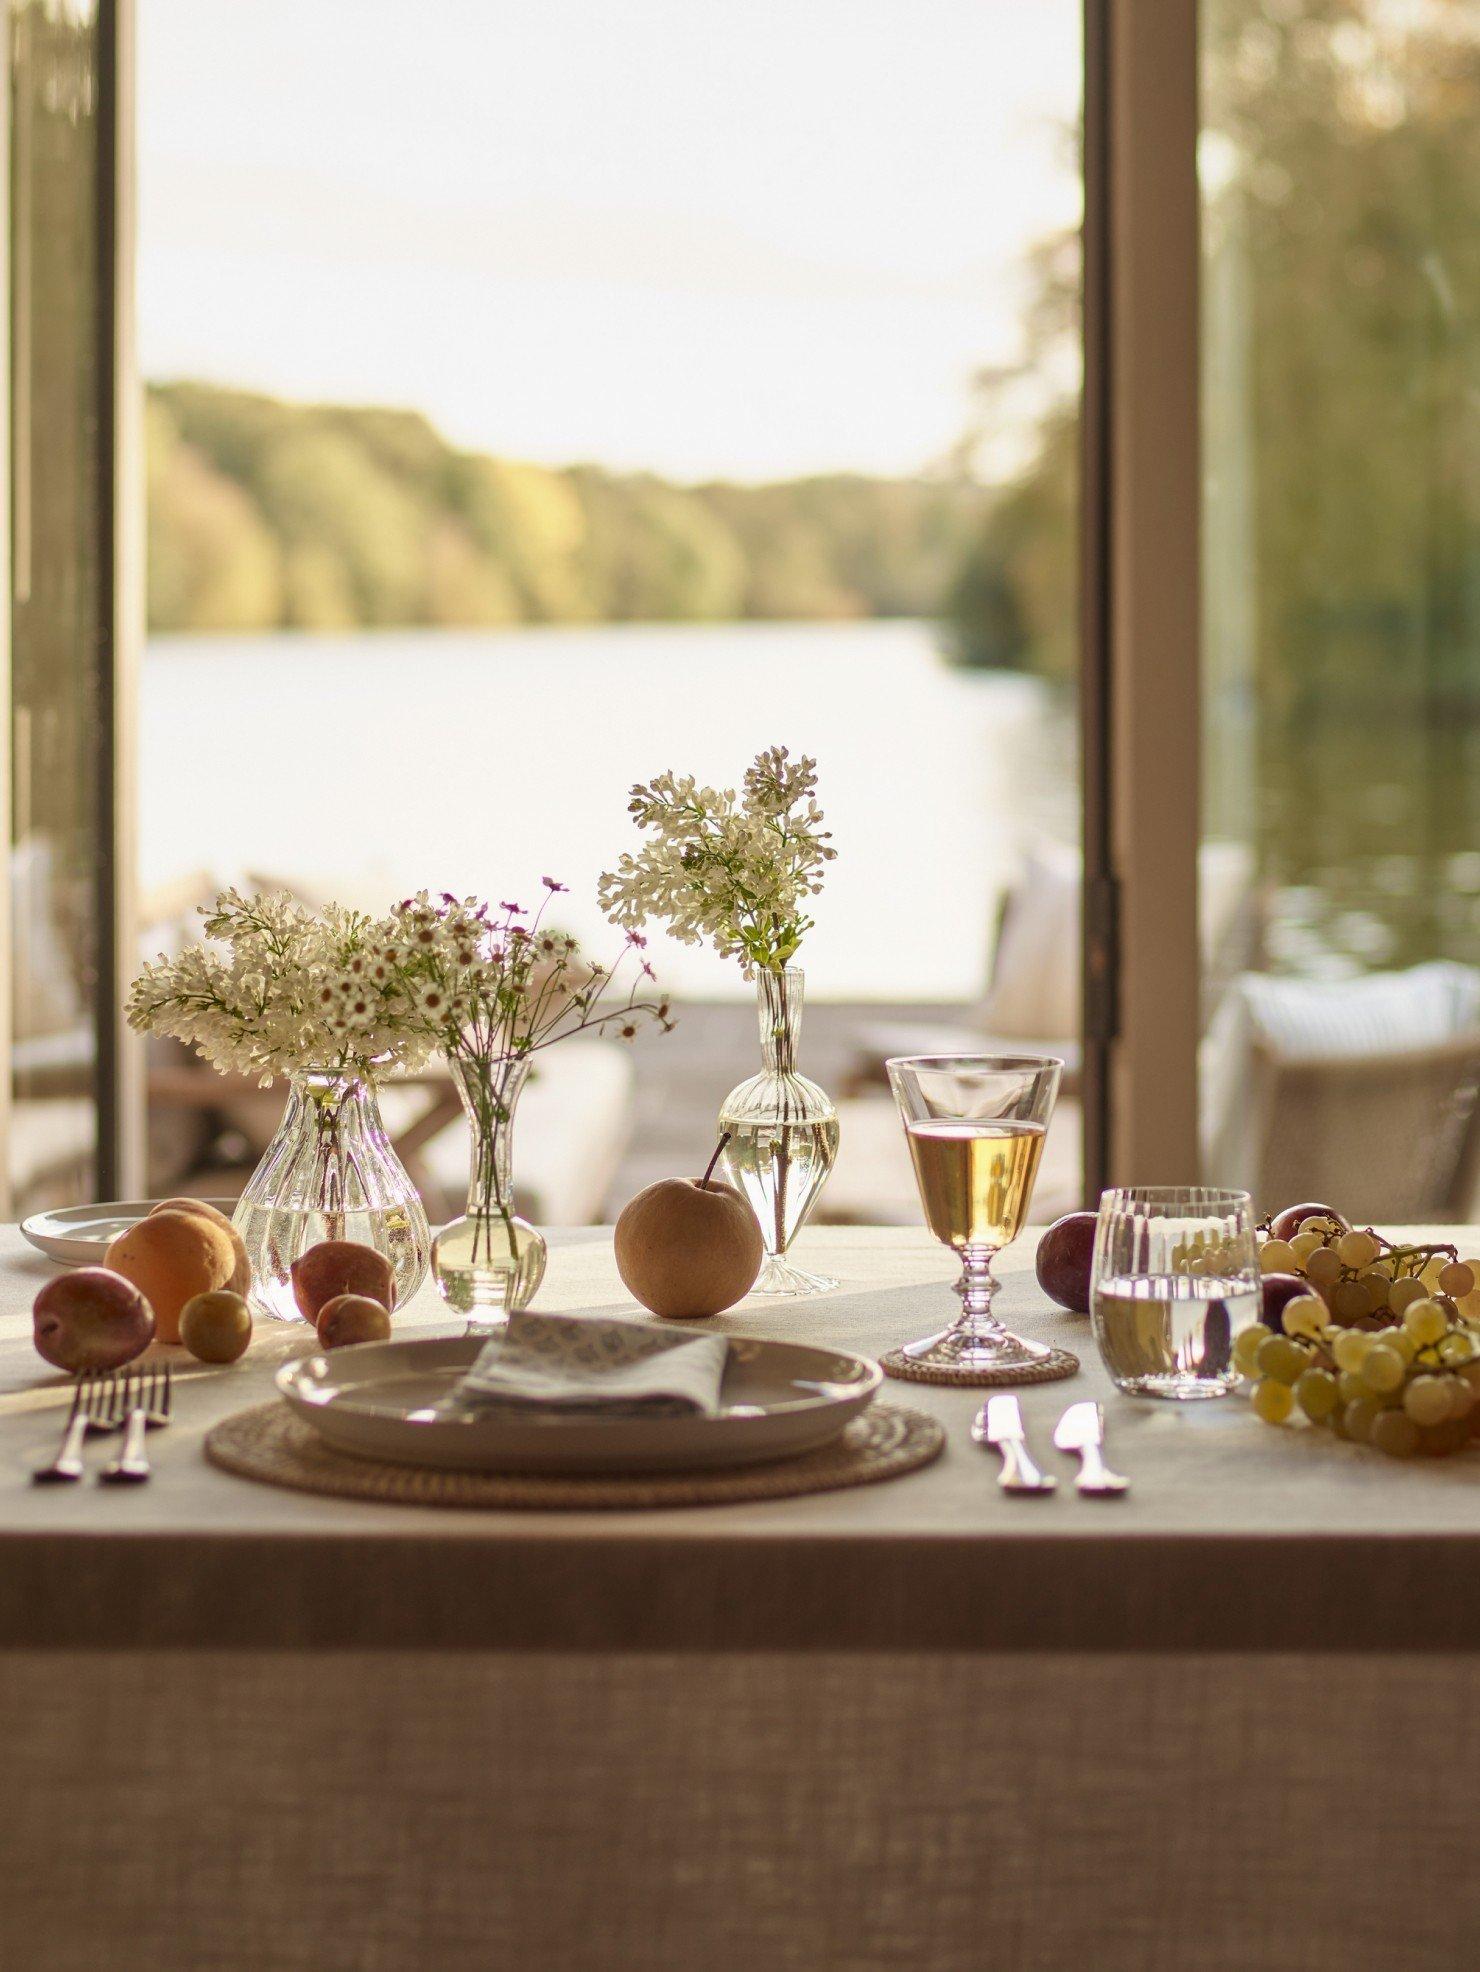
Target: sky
point(710, 238)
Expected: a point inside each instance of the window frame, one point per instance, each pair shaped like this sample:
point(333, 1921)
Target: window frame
point(1140, 591)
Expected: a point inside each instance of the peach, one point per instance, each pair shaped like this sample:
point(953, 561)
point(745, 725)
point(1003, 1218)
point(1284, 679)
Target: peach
point(170, 1257)
point(91, 1319)
point(353, 1318)
point(241, 1273)
point(341, 1266)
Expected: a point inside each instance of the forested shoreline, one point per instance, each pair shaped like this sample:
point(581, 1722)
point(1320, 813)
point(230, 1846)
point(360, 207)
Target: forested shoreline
point(267, 515)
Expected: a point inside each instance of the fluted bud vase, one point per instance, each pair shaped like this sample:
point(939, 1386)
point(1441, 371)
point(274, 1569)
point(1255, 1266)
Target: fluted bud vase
point(330, 1172)
point(783, 1134)
point(489, 1263)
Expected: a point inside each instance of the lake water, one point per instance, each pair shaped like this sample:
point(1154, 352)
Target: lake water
point(369, 765)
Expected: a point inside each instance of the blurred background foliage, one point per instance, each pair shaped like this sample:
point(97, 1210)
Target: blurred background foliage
point(265, 515)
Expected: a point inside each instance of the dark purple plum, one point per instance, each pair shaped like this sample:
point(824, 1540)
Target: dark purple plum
point(1279, 1291)
point(1286, 1224)
point(1064, 1256)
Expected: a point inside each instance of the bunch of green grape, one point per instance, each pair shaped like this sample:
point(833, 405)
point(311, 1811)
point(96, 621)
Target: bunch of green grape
point(1382, 1344)
point(1364, 1278)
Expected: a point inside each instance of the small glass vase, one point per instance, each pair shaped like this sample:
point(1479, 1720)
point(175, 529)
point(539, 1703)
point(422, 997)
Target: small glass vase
point(330, 1172)
point(783, 1133)
point(489, 1263)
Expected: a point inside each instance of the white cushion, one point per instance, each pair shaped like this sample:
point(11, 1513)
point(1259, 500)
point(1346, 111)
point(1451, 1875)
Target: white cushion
point(1384, 1013)
point(46, 997)
point(1034, 994)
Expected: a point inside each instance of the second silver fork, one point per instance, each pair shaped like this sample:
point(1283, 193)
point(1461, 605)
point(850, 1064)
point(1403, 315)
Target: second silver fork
point(98, 1400)
point(148, 1410)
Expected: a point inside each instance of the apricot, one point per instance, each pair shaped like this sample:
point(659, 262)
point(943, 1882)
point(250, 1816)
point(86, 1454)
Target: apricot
point(353, 1318)
point(241, 1273)
point(216, 1327)
point(91, 1319)
point(341, 1266)
point(170, 1257)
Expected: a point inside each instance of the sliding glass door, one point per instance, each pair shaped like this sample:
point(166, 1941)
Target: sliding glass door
point(1340, 156)
point(67, 626)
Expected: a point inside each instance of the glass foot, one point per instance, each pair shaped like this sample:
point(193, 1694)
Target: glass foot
point(959, 1347)
point(484, 1324)
point(779, 1276)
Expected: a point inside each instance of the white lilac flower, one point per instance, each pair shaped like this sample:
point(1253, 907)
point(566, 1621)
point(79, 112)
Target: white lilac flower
point(731, 870)
point(276, 988)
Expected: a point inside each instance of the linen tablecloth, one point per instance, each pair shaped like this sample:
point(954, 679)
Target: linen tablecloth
point(917, 1726)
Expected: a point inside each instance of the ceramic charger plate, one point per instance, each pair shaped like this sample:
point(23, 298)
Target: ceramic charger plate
point(379, 1400)
point(80, 1235)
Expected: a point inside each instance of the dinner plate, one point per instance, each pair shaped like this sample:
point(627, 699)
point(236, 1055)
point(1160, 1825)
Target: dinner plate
point(379, 1399)
point(80, 1235)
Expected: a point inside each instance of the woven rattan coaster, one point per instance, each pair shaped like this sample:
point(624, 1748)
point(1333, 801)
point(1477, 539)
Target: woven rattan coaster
point(1058, 1363)
point(269, 1443)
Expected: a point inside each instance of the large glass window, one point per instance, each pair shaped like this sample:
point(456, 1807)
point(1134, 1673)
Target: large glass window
point(1340, 163)
point(578, 392)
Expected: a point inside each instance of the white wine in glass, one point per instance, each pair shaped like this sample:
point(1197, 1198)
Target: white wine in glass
point(975, 1179)
point(976, 1125)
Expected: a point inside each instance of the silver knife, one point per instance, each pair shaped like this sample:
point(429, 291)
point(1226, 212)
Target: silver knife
point(1082, 1429)
point(999, 1423)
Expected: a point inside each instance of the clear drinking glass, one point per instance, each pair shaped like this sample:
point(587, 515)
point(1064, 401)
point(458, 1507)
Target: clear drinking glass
point(1175, 1277)
point(975, 1126)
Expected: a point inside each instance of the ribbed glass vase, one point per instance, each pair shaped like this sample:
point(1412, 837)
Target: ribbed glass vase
point(783, 1133)
point(489, 1263)
point(330, 1172)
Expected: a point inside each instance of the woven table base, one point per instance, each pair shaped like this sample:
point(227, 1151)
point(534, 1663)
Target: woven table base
point(269, 1443)
point(1058, 1363)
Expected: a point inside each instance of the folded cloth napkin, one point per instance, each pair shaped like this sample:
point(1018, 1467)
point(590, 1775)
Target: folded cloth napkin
point(592, 1366)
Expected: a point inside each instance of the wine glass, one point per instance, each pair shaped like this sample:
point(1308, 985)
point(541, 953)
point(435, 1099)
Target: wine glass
point(975, 1126)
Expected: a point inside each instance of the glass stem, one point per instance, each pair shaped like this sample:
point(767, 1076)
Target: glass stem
point(977, 1288)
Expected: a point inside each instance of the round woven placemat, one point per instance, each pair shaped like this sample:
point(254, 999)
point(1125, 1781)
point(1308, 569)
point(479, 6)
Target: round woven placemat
point(1058, 1363)
point(269, 1443)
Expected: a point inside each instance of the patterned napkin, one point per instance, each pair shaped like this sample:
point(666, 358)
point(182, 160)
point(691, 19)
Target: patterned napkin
point(592, 1366)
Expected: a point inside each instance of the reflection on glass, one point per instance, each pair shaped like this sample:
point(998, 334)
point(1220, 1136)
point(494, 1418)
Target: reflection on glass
point(1340, 163)
point(56, 588)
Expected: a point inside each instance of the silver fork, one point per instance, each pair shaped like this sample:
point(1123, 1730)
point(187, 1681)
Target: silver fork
point(148, 1410)
point(97, 1405)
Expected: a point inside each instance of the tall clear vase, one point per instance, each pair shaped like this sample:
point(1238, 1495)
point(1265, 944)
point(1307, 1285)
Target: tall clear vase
point(489, 1263)
point(783, 1133)
point(330, 1172)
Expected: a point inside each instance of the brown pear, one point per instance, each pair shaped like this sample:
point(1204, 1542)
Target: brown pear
point(688, 1247)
